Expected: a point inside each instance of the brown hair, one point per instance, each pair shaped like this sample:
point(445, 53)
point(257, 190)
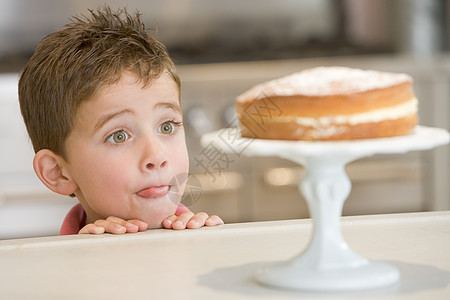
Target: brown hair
point(72, 64)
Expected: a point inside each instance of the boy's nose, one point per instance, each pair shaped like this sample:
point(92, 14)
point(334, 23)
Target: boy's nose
point(156, 165)
point(154, 156)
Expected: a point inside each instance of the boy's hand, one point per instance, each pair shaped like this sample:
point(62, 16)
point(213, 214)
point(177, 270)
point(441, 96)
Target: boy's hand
point(190, 221)
point(114, 225)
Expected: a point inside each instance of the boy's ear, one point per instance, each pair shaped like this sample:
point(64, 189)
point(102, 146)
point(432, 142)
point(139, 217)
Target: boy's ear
point(50, 169)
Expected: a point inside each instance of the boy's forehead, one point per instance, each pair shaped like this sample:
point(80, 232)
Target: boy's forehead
point(163, 89)
point(129, 81)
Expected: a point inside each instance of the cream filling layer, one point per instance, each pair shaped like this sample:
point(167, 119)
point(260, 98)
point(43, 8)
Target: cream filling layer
point(391, 113)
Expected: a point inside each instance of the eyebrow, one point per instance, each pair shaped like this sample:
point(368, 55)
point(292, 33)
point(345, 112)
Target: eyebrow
point(105, 119)
point(172, 106)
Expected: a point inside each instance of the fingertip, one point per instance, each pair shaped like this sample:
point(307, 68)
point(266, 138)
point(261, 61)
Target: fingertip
point(118, 229)
point(167, 224)
point(132, 228)
point(143, 226)
point(214, 221)
point(93, 229)
point(98, 229)
point(193, 224)
point(178, 225)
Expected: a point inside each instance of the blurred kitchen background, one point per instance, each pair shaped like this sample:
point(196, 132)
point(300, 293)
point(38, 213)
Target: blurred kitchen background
point(222, 48)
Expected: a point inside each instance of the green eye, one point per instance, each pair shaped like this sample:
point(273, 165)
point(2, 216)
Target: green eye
point(166, 128)
point(118, 137)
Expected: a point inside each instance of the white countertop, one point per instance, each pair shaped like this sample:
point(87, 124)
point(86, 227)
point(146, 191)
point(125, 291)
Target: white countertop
point(220, 262)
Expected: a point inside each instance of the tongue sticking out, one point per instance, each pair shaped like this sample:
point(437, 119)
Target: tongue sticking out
point(154, 191)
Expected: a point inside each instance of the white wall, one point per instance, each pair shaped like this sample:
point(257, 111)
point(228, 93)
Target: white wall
point(27, 208)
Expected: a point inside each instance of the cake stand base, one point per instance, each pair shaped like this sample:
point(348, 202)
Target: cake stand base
point(369, 275)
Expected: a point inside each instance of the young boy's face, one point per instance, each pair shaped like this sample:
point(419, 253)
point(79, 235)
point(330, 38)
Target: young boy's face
point(127, 152)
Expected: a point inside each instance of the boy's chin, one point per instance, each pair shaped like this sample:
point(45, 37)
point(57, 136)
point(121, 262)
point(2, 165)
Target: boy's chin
point(155, 220)
point(155, 226)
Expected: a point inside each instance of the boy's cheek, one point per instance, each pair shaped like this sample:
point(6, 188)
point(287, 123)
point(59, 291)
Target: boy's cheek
point(181, 157)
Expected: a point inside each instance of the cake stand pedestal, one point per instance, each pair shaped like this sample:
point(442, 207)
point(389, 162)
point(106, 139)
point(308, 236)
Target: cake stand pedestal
point(328, 263)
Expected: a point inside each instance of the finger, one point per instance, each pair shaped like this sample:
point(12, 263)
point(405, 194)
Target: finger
point(197, 221)
point(213, 221)
point(91, 229)
point(167, 223)
point(116, 220)
point(142, 226)
point(181, 221)
point(111, 227)
point(131, 227)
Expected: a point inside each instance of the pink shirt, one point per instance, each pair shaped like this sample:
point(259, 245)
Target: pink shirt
point(76, 219)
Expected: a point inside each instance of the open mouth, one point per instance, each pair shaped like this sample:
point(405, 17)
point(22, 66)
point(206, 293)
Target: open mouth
point(154, 191)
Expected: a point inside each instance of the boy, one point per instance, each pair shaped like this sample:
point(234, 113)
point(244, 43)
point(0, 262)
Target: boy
point(101, 102)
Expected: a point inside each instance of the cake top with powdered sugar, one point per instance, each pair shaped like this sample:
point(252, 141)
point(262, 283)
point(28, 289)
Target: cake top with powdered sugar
point(325, 81)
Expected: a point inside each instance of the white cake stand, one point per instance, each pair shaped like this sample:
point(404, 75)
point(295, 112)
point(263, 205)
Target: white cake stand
point(327, 264)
